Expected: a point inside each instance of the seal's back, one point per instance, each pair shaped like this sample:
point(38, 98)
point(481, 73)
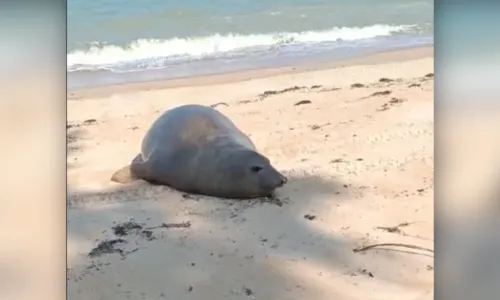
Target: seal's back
point(190, 126)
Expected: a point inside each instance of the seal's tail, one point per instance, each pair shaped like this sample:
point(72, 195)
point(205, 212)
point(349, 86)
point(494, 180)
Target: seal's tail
point(125, 174)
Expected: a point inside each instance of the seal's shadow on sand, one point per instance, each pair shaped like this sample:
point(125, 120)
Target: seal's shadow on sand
point(256, 243)
point(306, 187)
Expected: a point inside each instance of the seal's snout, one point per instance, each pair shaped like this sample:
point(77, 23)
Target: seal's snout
point(283, 180)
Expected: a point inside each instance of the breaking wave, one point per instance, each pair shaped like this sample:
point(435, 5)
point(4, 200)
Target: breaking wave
point(156, 53)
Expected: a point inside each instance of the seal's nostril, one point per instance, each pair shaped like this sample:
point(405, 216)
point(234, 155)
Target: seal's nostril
point(283, 180)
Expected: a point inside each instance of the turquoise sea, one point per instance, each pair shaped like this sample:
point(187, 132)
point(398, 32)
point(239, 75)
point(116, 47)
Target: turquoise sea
point(119, 41)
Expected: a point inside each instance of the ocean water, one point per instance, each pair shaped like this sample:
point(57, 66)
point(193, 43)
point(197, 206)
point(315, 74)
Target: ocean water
point(119, 41)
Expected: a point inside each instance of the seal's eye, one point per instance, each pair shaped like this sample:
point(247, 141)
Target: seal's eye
point(255, 169)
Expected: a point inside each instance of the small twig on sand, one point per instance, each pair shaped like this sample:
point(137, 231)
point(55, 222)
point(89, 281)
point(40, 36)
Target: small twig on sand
point(315, 126)
point(395, 229)
point(391, 244)
point(172, 225)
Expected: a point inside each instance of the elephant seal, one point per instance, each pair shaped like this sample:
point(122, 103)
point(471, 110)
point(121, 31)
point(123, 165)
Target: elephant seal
point(196, 149)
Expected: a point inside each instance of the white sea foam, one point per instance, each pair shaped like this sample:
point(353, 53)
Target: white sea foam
point(199, 47)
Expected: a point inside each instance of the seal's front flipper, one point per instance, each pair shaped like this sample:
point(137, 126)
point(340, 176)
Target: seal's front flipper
point(127, 174)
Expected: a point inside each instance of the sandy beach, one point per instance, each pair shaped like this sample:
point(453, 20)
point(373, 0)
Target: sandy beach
point(355, 139)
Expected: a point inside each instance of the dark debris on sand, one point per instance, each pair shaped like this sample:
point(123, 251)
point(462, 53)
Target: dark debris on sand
point(323, 90)
point(316, 126)
point(394, 229)
point(176, 225)
point(125, 228)
point(248, 292)
point(427, 77)
point(219, 104)
point(287, 90)
point(366, 272)
point(85, 123)
point(381, 93)
point(357, 85)
point(130, 227)
point(302, 102)
point(273, 199)
point(309, 217)
point(390, 103)
point(186, 224)
point(273, 92)
point(89, 121)
point(107, 247)
point(317, 88)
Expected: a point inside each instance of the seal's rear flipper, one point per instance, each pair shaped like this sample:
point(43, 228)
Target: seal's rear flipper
point(126, 175)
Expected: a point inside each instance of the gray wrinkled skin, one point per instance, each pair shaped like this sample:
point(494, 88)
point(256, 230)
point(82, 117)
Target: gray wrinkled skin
point(196, 149)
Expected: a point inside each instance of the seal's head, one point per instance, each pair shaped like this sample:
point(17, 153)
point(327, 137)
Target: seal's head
point(248, 174)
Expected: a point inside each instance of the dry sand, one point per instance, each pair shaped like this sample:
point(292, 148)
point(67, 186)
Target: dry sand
point(357, 160)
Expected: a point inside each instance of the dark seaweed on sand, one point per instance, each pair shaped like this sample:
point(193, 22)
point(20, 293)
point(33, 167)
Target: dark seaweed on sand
point(107, 247)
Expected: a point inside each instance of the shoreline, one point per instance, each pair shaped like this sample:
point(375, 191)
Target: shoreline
point(240, 76)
